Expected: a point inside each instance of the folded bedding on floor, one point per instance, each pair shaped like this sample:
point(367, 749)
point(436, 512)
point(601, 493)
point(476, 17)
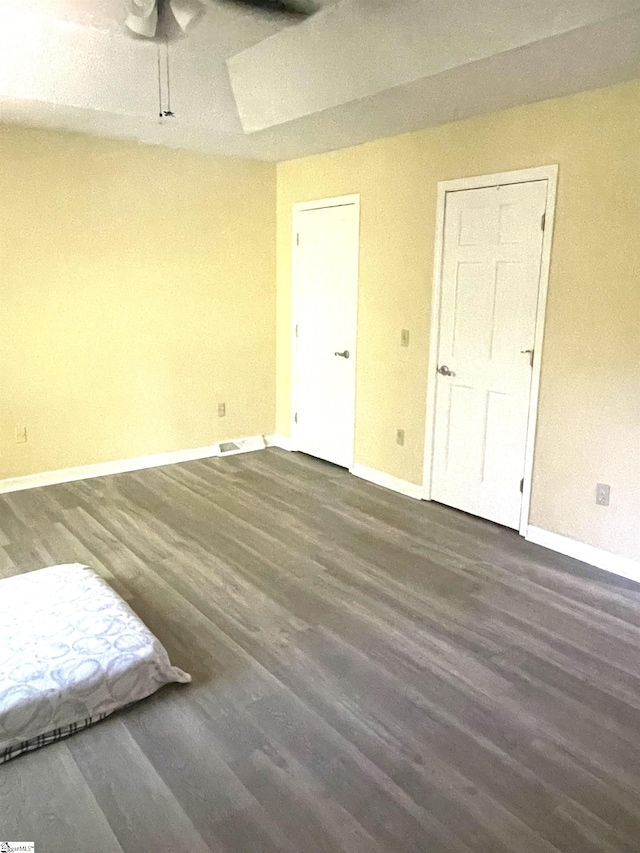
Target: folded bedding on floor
point(71, 653)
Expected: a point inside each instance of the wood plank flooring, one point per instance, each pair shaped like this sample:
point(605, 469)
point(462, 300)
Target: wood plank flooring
point(372, 674)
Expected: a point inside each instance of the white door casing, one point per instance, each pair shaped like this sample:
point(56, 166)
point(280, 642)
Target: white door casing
point(326, 248)
point(490, 276)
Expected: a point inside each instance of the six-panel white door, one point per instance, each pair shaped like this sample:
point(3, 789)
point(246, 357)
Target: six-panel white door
point(326, 301)
point(489, 295)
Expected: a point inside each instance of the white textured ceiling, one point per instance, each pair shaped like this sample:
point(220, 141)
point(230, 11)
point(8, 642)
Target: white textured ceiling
point(249, 85)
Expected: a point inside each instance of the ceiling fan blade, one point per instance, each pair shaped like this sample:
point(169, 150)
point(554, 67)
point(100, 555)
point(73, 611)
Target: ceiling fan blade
point(292, 8)
point(142, 18)
point(185, 12)
point(143, 26)
point(149, 18)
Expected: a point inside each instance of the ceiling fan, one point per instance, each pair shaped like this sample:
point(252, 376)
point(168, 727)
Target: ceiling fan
point(146, 17)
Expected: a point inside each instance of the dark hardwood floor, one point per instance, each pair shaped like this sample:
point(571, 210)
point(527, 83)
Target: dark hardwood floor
point(371, 673)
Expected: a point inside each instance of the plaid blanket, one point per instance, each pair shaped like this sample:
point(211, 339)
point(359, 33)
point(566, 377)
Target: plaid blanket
point(48, 737)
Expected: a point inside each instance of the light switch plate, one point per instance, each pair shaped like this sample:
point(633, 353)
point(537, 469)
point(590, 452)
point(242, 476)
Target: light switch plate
point(404, 338)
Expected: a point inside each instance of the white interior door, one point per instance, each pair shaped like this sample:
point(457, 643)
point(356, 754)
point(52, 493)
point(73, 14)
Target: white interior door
point(488, 302)
point(326, 259)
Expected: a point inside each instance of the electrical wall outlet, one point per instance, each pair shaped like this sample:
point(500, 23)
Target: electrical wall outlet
point(400, 437)
point(222, 410)
point(602, 494)
point(404, 338)
point(21, 435)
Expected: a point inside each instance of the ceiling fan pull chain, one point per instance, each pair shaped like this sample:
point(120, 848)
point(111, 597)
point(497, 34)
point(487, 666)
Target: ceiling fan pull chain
point(168, 112)
point(162, 113)
point(159, 86)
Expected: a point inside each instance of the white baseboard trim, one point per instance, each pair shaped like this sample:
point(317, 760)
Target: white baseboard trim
point(381, 479)
point(281, 441)
point(121, 466)
point(615, 563)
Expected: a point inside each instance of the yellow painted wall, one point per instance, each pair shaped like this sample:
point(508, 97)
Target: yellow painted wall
point(589, 412)
point(137, 290)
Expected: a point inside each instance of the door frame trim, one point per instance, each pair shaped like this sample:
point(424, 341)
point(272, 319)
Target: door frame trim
point(538, 173)
point(297, 208)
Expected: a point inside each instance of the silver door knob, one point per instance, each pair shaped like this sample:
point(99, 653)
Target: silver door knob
point(444, 370)
point(344, 354)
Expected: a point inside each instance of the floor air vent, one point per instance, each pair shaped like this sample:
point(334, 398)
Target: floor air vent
point(241, 445)
point(229, 447)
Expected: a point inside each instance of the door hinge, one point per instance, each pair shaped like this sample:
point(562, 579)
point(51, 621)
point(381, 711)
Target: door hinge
point(543, 221)
point(522, 486)
point(297, 239)
point(295, 418)
point(296, 330)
